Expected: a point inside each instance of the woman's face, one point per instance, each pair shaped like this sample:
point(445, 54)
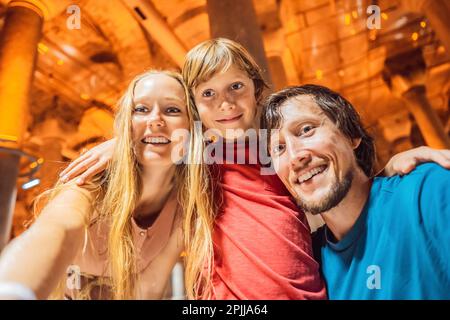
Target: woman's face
point(160, 121)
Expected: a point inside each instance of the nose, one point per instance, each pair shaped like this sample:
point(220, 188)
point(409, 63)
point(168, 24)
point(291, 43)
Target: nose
point(155, 120)
point(298, 156)
point(226, 105)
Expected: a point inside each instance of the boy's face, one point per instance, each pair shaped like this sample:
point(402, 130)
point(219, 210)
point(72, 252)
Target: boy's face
point(226, 102)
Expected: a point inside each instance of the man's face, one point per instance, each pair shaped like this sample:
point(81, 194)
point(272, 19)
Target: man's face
point(312, 157)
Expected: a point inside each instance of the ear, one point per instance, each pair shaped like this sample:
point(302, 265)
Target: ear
point(356, 142)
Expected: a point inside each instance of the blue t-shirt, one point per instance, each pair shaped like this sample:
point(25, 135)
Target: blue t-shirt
point(399, 247)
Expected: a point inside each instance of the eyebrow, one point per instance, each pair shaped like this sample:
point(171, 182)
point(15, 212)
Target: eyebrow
point(169, 98)
point(236, 78)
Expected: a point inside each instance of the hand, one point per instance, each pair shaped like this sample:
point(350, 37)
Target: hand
point(404, 162)
point(89, 164)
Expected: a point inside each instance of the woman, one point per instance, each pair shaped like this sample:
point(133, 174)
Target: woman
point(124, 226)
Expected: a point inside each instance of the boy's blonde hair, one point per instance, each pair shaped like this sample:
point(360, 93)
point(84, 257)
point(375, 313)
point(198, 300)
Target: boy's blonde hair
point(203, 62)
point(216, 56)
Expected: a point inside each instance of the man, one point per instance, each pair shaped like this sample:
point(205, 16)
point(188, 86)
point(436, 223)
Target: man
point(385, 238)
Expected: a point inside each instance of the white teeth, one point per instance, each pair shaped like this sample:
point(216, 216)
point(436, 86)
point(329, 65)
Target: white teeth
point(156, 140)
point(311, 173)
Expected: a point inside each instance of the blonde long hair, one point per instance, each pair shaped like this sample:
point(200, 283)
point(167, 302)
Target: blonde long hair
point(117, 192)
point(203, 62)
point(119, 202)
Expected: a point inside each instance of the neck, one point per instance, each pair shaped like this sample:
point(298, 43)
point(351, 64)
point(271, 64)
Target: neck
point(157, 184)
point(342, 218)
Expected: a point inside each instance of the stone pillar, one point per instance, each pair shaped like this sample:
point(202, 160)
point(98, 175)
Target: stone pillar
point(437, 13)
point(18, 51)
point(236, 20)
point(274, 44)
point(429, 123)
point(405, 76)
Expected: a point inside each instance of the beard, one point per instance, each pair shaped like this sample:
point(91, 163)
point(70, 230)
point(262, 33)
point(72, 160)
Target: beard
point(337, 192)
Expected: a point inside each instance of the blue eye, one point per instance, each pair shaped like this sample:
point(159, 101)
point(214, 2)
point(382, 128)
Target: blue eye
point(140, 109)
point(305, 130)
point(173, 110)
point(237, 85)
point(208, 93)
point(278, 149)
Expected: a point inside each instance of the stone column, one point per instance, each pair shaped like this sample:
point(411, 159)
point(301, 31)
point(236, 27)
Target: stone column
point(405, 76)
point(18, 51)
point(437, 13)
point(236, 20)
point(429, 123)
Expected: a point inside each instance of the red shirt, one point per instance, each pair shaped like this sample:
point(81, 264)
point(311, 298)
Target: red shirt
point(262, 241)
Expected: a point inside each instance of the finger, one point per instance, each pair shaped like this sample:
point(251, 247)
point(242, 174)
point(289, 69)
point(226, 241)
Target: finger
point(89, 173)
point(74, 163)
point(390, 169)
point(79, 169)
point(442, 158)
point(408, 166)
point(446, 155)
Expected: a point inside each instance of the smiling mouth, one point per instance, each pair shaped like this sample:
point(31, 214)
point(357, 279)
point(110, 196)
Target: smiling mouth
point(229, 120)
point(156, 140)
point(307, 176)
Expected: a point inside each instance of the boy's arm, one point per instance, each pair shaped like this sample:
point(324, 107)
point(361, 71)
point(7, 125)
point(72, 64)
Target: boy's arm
point(90, 163)
point(404, 162)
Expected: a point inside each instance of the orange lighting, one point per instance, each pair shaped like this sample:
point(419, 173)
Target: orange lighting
point(423, 24)
point(341, 73)
point(347, 19)
point(319, 74)
point(42, 48)
point(415, 36)
point(40, 160)
point(354, 14)
point(441, 49)
point(60, 62)
point(84, 96)
point(6, 137)
point(33, 165)
point(373, 35)
point(384, 16)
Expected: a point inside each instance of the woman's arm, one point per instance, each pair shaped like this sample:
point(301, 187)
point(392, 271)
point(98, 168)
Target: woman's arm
point(40, 256)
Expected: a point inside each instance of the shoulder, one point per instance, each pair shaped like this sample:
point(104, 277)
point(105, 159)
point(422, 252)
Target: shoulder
point(424, 190)
point(427, 175)
point(70, 194)
point(429, 168)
